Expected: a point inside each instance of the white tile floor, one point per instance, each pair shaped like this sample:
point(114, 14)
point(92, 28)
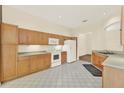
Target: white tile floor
point(72, 75)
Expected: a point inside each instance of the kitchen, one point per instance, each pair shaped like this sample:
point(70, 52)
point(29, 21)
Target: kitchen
point(31, 45)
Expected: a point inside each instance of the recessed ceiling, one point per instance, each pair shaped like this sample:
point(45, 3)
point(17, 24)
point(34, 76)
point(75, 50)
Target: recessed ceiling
point(71, 16)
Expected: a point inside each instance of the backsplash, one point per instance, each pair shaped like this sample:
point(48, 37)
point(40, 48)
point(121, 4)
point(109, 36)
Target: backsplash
point(33, 48)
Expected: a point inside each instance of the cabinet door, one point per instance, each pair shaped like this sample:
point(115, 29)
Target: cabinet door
point(95, 59)
point(9, 34)
point(39, 38)
point(41, 62)
point(33, 37)
point(63, 57)
point(23, 36)
point(47, 60)
point(45, 39)
point(23, 66)
point(42, 38)
point(61, 40)
point(9, 62)
point(34, 63)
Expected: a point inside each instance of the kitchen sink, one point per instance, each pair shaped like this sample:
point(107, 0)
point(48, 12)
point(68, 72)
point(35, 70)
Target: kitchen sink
point(107, 52)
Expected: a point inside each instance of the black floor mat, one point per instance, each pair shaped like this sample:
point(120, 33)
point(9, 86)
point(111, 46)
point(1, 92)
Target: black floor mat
point(93, 70)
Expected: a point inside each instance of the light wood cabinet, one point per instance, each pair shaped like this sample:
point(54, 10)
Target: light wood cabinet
point(61, 40)
point(33, 37)
point(44, 61)
point(9, 41)
point(113, 77)
point(23, 66)
point(9, 34)
point(40, 62)
point(47, 60)
point(30, 64)
point(98, 59)
point(34, 63)
point(23, 36)
point(63, 57)
point(44, 38)
point(8, 62)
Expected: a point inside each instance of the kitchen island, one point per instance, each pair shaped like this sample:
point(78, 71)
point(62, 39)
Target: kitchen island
point(113, 69)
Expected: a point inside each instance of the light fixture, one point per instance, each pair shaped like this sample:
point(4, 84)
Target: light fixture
point(60, 17)
point(85, 20)
point(104, 13)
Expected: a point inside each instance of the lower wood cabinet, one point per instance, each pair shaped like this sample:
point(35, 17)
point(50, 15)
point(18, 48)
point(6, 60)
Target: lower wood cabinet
point(98, 59)
point(30, 64)
point(113, 77)
point(23, 66)
point(34, 63)
point(40, 62)
point(8, 62)
point(47, 60)
point(63, 57)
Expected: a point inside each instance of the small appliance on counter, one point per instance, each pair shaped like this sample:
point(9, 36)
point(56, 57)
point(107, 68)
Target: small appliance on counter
point(53, 41)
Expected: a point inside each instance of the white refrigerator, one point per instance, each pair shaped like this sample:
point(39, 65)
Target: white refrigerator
point(70, 47)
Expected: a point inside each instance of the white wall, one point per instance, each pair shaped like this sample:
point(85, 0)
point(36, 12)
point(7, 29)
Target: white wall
point(98, 39)
point(113, 40)
point(106, 40)
point(24, 20)
point(84, 44)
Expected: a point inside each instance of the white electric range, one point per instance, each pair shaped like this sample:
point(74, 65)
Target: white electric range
point(55, 58)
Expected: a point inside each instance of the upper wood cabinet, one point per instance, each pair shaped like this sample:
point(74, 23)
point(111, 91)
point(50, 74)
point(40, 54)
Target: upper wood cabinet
point(9, 34)
point(32, 37)
point(23, 36)
point(61, 39)
point(29, 37)
point(8, 62)
point(44, 40)
point(39, 38)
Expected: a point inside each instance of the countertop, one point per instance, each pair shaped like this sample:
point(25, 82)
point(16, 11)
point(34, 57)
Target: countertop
point(32, 53)
point(36, 53)
point(115, 59)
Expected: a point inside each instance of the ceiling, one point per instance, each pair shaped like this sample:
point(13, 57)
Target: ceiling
point(71, 16)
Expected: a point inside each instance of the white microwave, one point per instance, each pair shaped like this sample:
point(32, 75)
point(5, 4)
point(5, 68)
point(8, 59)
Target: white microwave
point(53, 41)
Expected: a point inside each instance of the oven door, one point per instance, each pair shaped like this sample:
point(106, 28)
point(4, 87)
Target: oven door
point(56, 57)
